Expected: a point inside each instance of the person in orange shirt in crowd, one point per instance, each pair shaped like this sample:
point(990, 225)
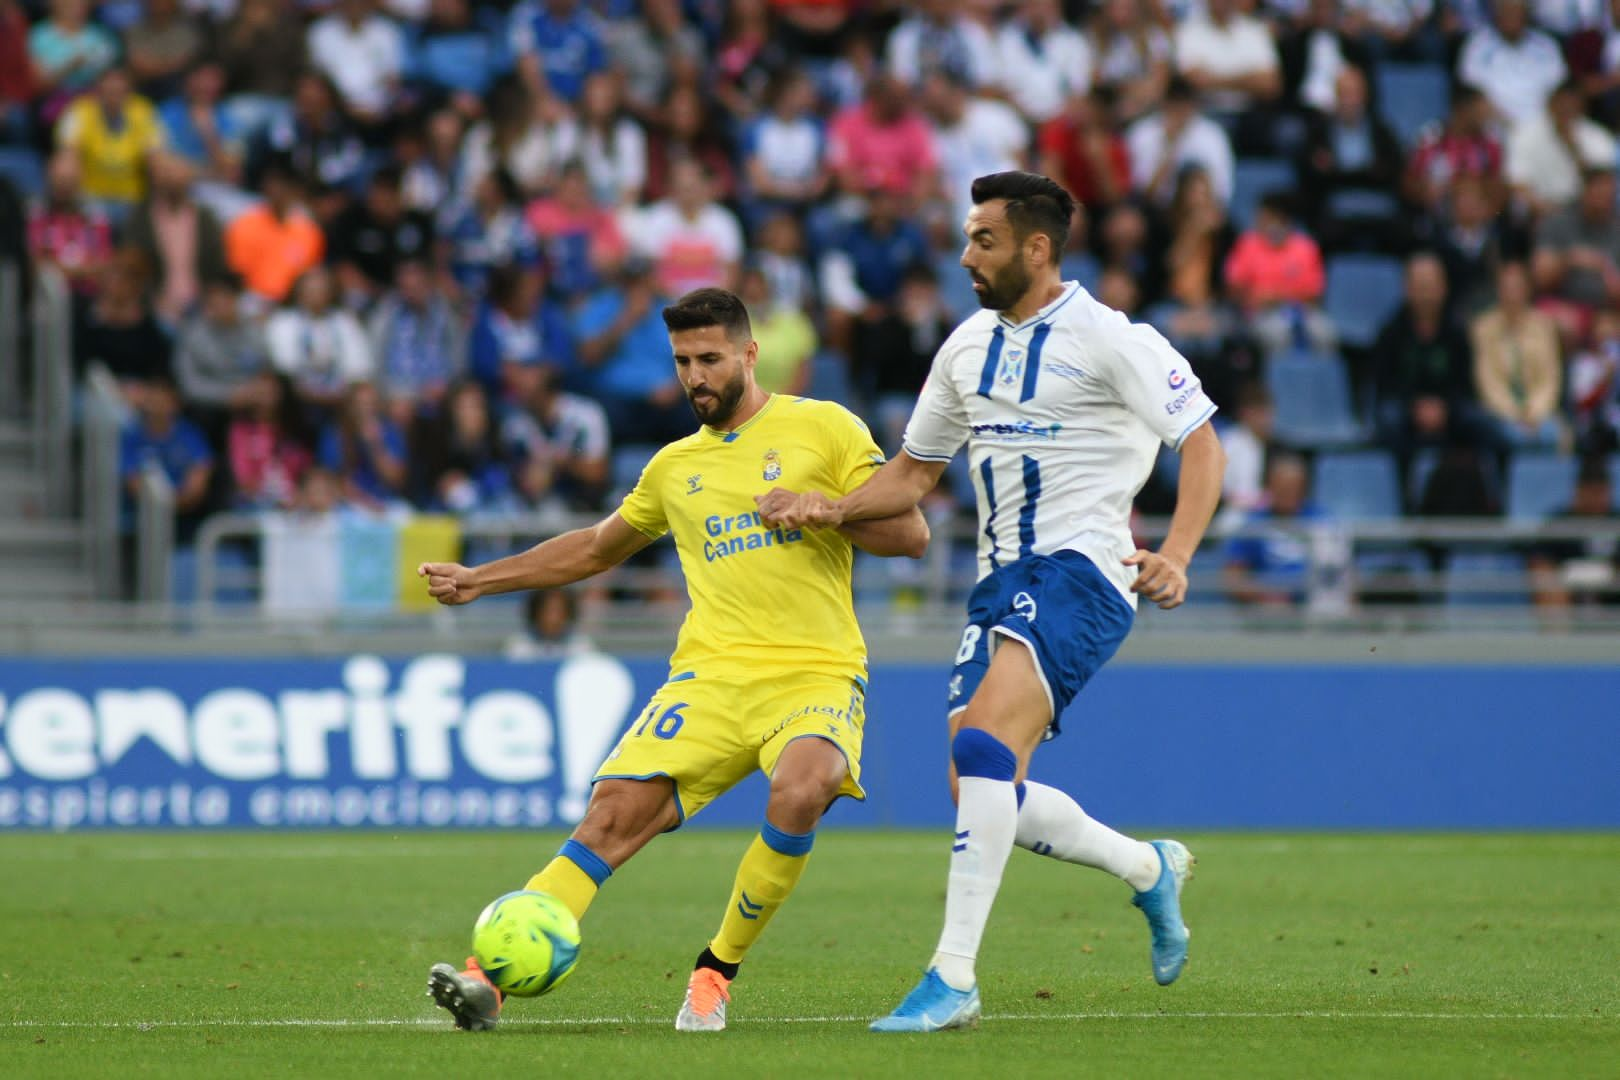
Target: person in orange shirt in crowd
point(1275, 275)
point(273, 244)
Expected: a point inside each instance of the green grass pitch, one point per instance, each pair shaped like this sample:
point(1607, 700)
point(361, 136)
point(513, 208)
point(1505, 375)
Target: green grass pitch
point(183, 955)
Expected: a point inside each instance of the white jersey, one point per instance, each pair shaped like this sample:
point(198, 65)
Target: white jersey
point(1063, 415)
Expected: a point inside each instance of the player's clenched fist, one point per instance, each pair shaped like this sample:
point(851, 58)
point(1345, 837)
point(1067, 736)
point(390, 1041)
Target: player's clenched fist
point(1160, 578)
point(449, 583)
point(810, 509)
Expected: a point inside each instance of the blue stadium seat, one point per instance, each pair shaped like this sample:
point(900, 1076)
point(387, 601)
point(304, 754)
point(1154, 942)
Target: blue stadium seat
point(1363, 291)
point(1358, 486)
point(24, 169)
point(829, 378)
point(1081, 267)
point(1479, 579)
point(1359, 204)
point(1252, 180)
point(628, 461)
point(955, 287)
point(1539, 485)
point(1409, 96)
point(1312, 395)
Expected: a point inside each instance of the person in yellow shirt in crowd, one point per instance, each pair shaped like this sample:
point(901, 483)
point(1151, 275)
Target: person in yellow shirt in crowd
point(112, 132)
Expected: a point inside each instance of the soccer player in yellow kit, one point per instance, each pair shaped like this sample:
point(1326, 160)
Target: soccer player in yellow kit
point(769, 671)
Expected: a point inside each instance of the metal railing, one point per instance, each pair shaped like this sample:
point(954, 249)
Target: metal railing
point(99, 487)
point(11, 341)
point(154, 537)
point(51, 319)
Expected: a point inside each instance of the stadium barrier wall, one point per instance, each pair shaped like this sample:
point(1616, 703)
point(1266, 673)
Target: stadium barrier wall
point(438, 741)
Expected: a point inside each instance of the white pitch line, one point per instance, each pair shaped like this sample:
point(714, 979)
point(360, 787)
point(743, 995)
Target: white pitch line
point(611, 1021)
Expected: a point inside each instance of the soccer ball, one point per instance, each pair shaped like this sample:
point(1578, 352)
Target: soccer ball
point(526, 943)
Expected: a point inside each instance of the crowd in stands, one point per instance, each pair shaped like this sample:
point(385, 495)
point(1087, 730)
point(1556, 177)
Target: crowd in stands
point(413, 252)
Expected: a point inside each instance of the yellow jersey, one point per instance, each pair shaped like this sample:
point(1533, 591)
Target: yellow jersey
point(763, 600)
point(112, 154)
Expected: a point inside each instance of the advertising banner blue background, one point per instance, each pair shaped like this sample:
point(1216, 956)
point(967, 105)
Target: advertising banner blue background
point(440, 742)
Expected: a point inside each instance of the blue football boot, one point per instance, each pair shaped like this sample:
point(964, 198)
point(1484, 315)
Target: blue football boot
point(1162, 906)
point(933, 1006)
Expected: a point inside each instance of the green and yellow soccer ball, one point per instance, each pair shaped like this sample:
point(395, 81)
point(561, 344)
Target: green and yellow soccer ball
point(526, 943)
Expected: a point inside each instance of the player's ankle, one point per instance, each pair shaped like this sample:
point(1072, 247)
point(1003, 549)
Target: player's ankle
point(956, 971)
point(707, 959)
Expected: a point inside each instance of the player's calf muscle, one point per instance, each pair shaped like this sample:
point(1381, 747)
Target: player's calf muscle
point(624, 815)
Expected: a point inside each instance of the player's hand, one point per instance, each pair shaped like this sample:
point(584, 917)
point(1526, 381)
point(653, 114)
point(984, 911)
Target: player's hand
point(811, 510)
point(1160, 578)
point(449, 583)
point(773, 503)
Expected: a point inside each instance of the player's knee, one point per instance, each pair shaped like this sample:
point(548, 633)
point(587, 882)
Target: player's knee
point(802, 797)
point(976, 752)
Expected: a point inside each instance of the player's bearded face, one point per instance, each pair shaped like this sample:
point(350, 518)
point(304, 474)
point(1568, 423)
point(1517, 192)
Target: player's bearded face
point(714, 404)
point(1002, 288)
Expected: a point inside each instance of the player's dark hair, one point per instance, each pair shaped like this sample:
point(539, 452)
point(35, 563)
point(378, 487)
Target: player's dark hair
point(1035, 203)
point(710, 307)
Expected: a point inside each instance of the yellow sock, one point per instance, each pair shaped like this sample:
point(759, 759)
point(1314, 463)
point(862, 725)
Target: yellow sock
point(573, 877)
point(770, 869)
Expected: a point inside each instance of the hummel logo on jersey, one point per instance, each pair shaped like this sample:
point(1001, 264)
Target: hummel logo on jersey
point(773, 465)
point(1011, 371)
point(694, 484)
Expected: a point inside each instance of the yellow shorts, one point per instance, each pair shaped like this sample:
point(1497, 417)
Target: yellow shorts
point(708, 735)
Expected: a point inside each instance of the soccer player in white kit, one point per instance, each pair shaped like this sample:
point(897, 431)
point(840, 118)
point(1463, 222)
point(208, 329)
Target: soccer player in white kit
point(1063, 404)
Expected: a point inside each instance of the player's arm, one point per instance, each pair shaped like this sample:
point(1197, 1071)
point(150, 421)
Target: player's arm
point(1162, 575)
point(892, 491)
point(561, 560)
point(903, 534)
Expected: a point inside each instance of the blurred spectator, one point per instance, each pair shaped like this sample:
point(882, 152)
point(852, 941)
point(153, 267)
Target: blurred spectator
point(317, 344)
point(1594, 387)
point(222, 354)
point(749, 55)
point(69, 53)
point(1248, 443)
point(1394, 29)
point(1517, 367)
point(18, 82)
point(559, 442)
point(1577, 253)
point(266, 448)
point(517, 327)
point(1549, 150)
point(418, 343)
point(936, 35)
point(1230, 58)
point(1175, 137)
point(365, 449)
point(430, 160)
point(1117, 288)
point(489, 233)
point(582, 242)
point(65, 233)
point(1080, 149)
point(557, 47)
point(894, 350)
point(619, 333)
point(313, 136)
point(779, 253)
point(1581, 572)
point(1133, 56)
point(111, 132)
point(1125, 243)
point(691, 239)
point(1200, 240)
point(262, 50)
point(1515, 66)
point(815, 28)
point(363, 53)
point(1460, 146)
point(784, 149)
point(370, 239)
point(883, 142)
point(181, 240)
point(655, 52)
point(513, 138)
point(974, 136)
point(1275, 275)
point(612, 146)
point(118, 330)
point(786, 337)
point(1315, 50)
point(550, 628)
point(452, 56)
point(688, 134)
point(1349, 150)
point(1044, 60)
point(200, 129)
point(1268, 566)
point(1601, 78)
point(1461, 484)
point(459, 462)
point(863, 267)
point(1424, 379)
point(161, 48)
point(161, 436)
point(1473, 244)
point(274, 243)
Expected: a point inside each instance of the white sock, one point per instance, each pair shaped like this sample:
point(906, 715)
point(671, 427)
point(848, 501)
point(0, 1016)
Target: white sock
point(986, 819)
point(1051, 823)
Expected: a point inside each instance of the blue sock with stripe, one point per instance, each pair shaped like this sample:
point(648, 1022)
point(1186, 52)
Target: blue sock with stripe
point(770, 868)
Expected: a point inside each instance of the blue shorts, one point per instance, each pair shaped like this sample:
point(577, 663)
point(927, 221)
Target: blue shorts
point(1071, 617)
